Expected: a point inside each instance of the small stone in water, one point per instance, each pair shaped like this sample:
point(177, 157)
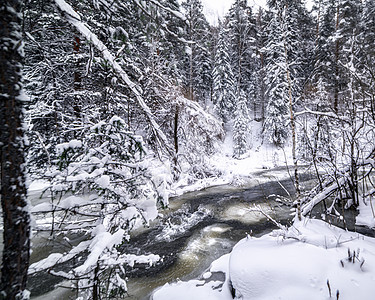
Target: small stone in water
point(206, 275)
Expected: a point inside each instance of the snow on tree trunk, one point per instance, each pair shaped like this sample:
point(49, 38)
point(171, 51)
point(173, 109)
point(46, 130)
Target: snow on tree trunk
point(13, 190)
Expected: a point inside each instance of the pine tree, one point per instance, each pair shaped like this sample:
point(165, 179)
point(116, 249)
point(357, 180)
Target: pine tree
point(241, 30)
point(275, 124)
point(198, 64)
point(223, 78)
point(241, 127)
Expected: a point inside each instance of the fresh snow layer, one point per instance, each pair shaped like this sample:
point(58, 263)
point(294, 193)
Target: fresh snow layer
point(366, 216)
point(275, 267)
point(261, 156)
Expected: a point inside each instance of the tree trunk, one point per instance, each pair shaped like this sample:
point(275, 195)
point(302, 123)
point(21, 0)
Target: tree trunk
point(77, 84)
point(13, 190)
point(293, 127)
point(176, 171)
point(95, 288)
point(337, 54)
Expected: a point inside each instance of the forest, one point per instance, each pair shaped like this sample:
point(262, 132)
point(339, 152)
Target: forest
point(113, 105)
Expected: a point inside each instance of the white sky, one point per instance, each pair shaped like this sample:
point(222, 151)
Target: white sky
point(214, 9)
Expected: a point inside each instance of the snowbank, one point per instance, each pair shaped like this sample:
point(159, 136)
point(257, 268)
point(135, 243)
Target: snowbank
point(316, 262)
point(366, 216)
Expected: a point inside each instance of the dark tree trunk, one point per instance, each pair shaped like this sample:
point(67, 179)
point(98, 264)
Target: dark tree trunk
point(13, 191)
point(176, 171)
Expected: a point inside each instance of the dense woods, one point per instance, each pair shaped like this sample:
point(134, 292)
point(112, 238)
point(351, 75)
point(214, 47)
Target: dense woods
point(127, 97)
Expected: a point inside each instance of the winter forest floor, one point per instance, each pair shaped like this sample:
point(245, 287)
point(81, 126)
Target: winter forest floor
point(310, 260)
point(261, 157)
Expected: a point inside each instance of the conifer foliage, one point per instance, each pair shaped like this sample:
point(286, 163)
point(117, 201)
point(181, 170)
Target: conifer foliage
point(241, 127)
point(223, 78)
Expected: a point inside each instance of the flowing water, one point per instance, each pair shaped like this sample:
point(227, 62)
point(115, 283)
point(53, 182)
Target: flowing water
point(196, 229)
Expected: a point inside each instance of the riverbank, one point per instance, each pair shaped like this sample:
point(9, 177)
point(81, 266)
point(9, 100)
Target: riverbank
point(197, 228)
point(311, 260)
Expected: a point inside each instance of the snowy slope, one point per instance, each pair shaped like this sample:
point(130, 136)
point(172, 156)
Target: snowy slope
point(315, 261)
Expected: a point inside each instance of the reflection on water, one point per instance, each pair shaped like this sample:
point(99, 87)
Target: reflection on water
point(197, 229)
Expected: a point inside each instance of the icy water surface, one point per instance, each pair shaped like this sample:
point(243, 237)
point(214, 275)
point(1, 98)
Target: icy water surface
point(196, 229)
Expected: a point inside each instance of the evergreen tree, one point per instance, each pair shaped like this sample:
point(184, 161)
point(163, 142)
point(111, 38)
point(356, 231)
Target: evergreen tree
point(223, 78)
point(338, 22)
point(241, 30)
point(287, 70)
point(99, 175)
point(98, 93)
point(241, 127)
point(198, 65)
point(275, 124)
point(324, 65)
point(367, 53)
point(263, 18)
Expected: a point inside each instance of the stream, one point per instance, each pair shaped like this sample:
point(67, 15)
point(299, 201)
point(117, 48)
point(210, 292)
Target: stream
point(197, 228)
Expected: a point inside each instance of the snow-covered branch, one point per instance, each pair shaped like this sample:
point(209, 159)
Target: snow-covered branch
point(74, 19)
point(323, 114)
point(329, 190)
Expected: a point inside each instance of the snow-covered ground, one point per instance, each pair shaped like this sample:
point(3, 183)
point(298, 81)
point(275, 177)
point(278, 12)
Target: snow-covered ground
point(366, 216)
point(311, 260)
point(260, 156)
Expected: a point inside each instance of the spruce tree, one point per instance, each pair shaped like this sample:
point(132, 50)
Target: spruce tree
point(241, 127)
point(198, 64)
point(223, 78)
point(276, 117)
point(241, 30)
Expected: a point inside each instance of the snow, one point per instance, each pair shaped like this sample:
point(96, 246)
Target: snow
point(70, 145)
point(261, 155)
point(54, 258)
point(194, 289)
point(102, 240)
point(69, 202)
point(103, 181)
point(67, 9)
point(366, 216)
point(38, 185)
point(275, 267)
point(239, 172)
